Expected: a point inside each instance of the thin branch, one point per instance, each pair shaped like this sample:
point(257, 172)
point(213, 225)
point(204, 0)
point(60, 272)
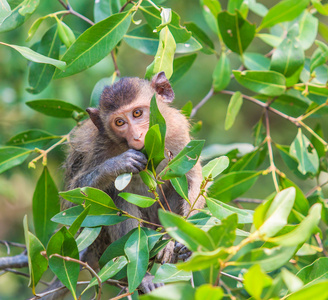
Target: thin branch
point(167, 203)
point(122, 296)
point(117, 71)
point(248, 200)
point(125, 5)
point(25, 275)
point(17, 261)
point(85, 265)
point(269, 143)
point(319, 241)
point(310, 192)
point(202, 102)
point(7, 243)
point(233, 277)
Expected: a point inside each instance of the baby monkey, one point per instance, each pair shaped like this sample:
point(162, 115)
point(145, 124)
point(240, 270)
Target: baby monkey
point(109, 143)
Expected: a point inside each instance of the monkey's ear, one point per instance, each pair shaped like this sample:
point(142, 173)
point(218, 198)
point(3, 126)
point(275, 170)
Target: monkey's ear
point(95, 118)
point(162, 87)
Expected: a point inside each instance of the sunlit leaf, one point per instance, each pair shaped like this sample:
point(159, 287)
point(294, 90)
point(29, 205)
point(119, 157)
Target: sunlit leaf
point(292, 281)
point(141, 201)
point(180, 185)
point(210, 10)
point(234, 106)
point(208, 291)
point(170, 273)
point(256, 61)
point(314, 272)
point(316, 291)
point(255, 280)
point(12, 156)
point(87, 237)
point(5, 10)
point(308, 29)
point(221, 74)
point(122, 181)
point(176, 291)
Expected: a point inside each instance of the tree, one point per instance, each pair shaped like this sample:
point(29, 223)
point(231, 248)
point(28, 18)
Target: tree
point(274, 250)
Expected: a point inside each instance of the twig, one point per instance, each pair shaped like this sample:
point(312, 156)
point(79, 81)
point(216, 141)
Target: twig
point(85, 265)
point(319, 241)
point(12, 244)
point(269, 143)
point(310, 192)
point(233, 277)
point(122, 296)
point(202, 102)
point(125, 5)
point(118, 73)
point(24, 275)
point(167, 203)
point(248, 200)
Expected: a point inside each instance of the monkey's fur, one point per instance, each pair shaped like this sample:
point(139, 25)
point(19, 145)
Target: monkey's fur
point(97, 155)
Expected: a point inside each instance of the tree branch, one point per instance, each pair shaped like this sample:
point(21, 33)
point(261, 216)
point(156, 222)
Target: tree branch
point(17, 261)
point(202, 102)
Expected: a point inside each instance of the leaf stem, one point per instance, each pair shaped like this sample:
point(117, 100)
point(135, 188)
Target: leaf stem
point(154, 5)
point(167, 203)
point(309, 129)
point(303, 117)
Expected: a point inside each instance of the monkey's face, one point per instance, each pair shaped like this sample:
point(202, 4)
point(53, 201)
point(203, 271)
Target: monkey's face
point(131, 123)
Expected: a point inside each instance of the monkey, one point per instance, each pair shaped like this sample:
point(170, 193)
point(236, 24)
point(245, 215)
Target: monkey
point(109, 143)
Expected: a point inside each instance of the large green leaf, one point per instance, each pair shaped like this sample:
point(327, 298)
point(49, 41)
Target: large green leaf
point(37, 263)
point(32, 139)
point(208, 291)
point(210, 10)
point(184, 232)
point(138, 200)
point(317, 291)
point(314, 272)
point(37, 57)
point(221, 74)
point(55, 108)
point(163, 60)
point(255, 280)
point(184, 161)
point(170, 273)
point(136, 250)
point(308, 28)
point(232, 185)
point(63, 243)
point(286, 10)
point(95, 43)
point(256, 61)
point(17, 16)
point(305, 153)
point(87, 237)
point(234, 106)
point(45, 205)
point(98, 216)
point(222, 210)
point(12, 156)
point(40, 75)
point(269, 83)
point(154, 145)
point(237, 33)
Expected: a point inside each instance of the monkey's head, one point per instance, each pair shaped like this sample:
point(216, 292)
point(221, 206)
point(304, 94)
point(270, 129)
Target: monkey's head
point(123, 112)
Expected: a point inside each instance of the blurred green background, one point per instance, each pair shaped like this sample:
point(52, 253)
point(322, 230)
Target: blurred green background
point(17, 185)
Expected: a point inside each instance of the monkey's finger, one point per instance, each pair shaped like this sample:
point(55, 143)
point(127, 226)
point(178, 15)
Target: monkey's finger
point(139, 165)
point(184, 256)
point(159, 284)
point(177, 247)
point(137, 155)
point(184, 250)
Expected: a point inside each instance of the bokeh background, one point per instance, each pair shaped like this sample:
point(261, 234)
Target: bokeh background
point(17, 185)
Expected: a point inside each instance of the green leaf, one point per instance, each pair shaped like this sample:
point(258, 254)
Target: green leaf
point(277, 213)
point(269, 259)
point(177, 291)
point(315, 272)
point(12, 156)
point(108, 271)
point(156, 118)
point(138, 200)
point(316, 143)
point(208, 291)
point(103, 9)
point(122, 181)
point(17, 17)
point(154, 145)
point(45, 205)
point(292, 281)
point(288, 57)
point(320, 56)
point(232, 185)
point(224, 235)
point(163, 60)
point(234, 106)
point(201, 37)
point(148, 179)
point(269, 83)
point(248, 162)
point(37, 57)
point(221, 210)
point(255, 281)
point(65, 33)
point(181, 65)
point(153, 18)
point(170, 273)
point(99, 88)
point(322, 9)
point(305, 153)
point(210, 10)
point(37, 263)
point(98, 216)
point(143, 39)
point(286, 10)
point(180, 185)
point(63, 243)
point(28, 7)
point(136, 250)
point(270, 39)
point(215, 167)
point(184, 232)
point(316, 291)
point(74, 228)
point(95, 43)
point(87, 237)
point(221, 74)
point(35, 26)
point(256, 61)
point(308, 28)
point(32, 139)
point(5, 10)
point(54, 108)
point(184, 161)
point(237, 33)
point(158, 247)
point(303, 231)
point(40, 75)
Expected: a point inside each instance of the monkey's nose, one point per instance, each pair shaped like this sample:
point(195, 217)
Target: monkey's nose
point(137, 136)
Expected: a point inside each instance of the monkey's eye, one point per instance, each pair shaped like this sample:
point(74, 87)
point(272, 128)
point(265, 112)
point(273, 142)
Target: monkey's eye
point(137, 113)
point(119, 122)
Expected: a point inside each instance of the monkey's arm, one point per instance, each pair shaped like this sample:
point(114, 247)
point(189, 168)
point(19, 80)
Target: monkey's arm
point(103, 175)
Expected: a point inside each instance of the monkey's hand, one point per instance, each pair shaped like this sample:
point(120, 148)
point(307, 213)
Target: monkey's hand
point(147, 285)
point(131, 161)
point(182, 251)
point(173, 252)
